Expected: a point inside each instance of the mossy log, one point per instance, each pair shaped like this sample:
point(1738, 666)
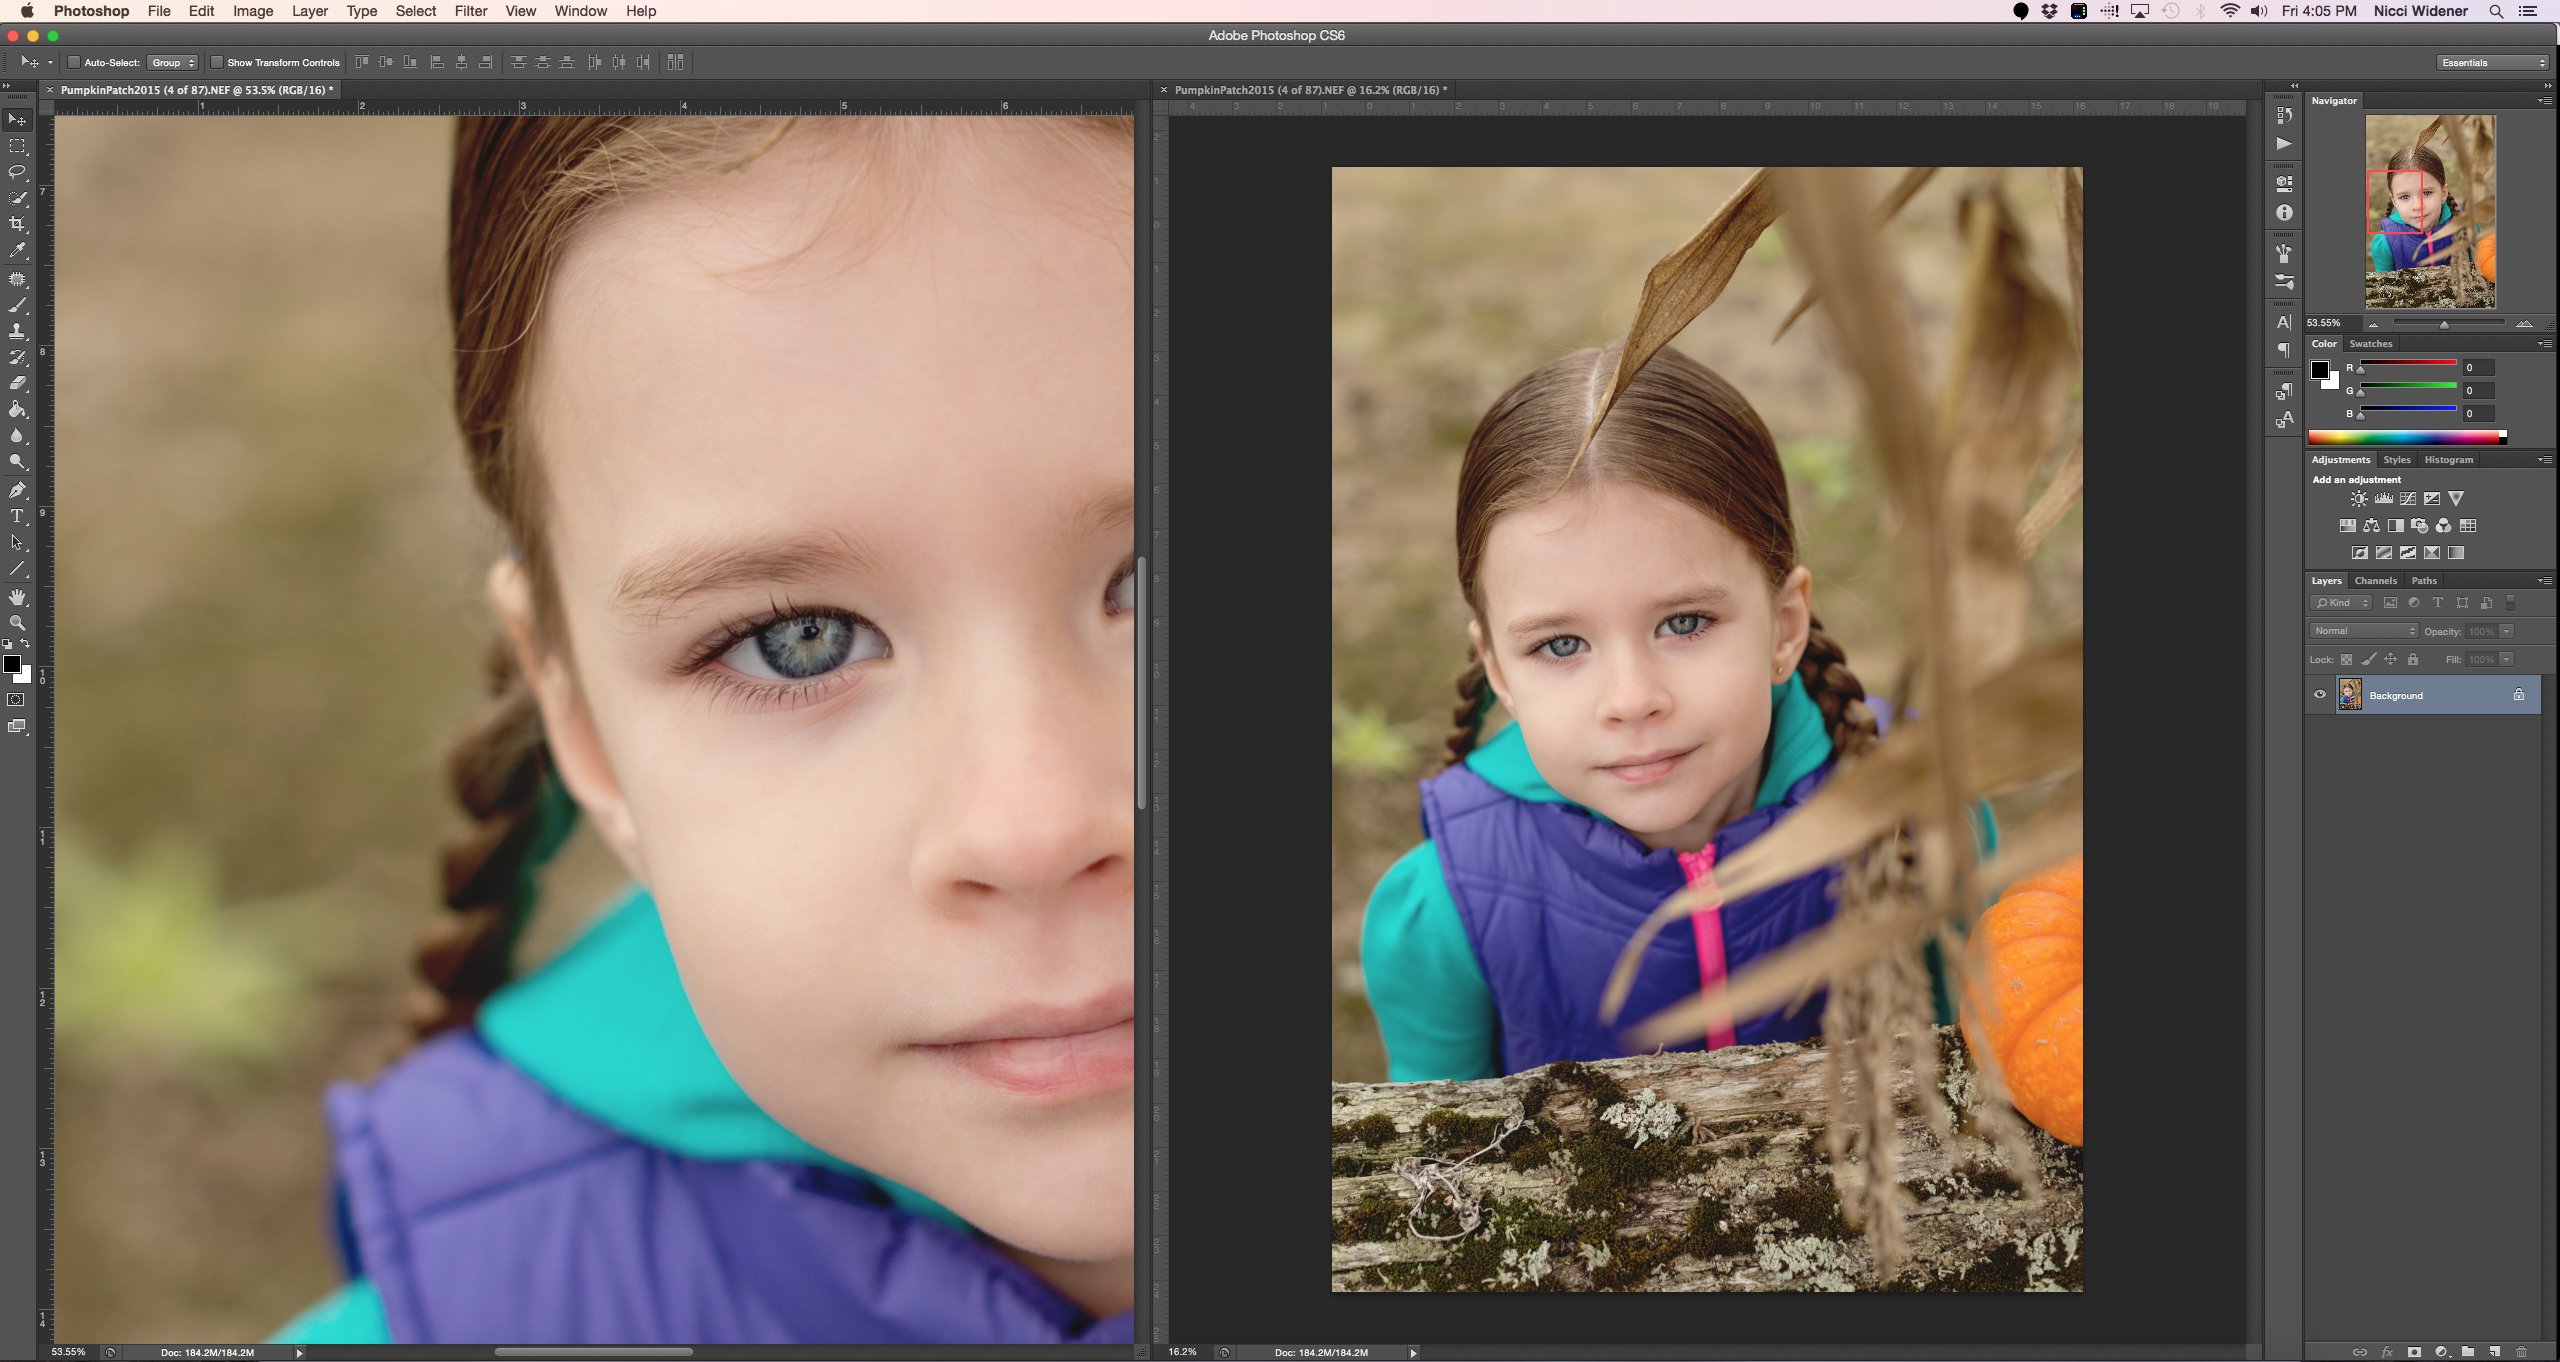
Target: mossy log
point(2430, 286)
point(1683, 1172)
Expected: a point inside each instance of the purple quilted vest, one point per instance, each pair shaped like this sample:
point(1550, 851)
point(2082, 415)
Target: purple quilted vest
point(485, 1211)
point(1550, 894)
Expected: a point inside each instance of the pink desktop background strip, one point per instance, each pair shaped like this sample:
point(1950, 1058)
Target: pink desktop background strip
point(1220, 14)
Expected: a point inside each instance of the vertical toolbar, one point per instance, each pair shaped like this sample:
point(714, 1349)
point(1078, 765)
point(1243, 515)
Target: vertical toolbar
point(2281, 264)
point(26, 712)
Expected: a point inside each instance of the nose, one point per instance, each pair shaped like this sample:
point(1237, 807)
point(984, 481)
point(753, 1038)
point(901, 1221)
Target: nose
point(1631, 689)
point(1033, 810)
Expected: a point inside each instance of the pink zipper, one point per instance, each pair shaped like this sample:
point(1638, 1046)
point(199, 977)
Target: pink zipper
point(1708, 923)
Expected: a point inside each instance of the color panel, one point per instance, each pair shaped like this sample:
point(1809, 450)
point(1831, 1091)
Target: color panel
point(2407, 437)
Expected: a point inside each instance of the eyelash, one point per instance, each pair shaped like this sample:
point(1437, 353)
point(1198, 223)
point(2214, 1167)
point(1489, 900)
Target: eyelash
point(1705, 623)
point(730, 685)
point(1127, 572)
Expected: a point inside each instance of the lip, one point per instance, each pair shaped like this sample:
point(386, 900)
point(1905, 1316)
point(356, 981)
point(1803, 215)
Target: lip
point(1047, 1055)
point(1646, 768)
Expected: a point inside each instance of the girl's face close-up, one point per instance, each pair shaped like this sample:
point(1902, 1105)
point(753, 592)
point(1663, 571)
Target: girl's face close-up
point(1635, 639)
point(835, 453)
point(2417, 196)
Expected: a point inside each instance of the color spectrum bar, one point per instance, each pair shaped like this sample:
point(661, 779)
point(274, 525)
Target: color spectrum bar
point(2408, 437)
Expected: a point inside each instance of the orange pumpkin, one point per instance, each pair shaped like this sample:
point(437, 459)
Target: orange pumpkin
point(2487, 251)
point(2025, 1006)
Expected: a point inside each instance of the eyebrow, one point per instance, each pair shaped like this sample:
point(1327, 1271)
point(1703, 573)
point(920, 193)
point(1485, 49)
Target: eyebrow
point(1116, 509)
point(663, 581)
point(1712, 596)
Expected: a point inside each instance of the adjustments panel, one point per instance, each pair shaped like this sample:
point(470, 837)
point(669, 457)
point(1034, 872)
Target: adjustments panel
point(2430, 520)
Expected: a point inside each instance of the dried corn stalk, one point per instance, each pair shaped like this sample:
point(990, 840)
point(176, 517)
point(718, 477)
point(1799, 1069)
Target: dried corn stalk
point(2063, 492)
point(1997, 717)
point(1893, 203)
point(2474, 145)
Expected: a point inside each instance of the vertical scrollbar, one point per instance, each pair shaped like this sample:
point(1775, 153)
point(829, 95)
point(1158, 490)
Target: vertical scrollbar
point(1154, 760)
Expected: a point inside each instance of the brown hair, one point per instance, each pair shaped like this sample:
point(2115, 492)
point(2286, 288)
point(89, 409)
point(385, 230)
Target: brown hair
point(1679, 430)
point(522, 187)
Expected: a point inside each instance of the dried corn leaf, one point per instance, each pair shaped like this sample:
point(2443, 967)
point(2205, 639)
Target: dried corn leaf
point(1833, 236)
point(2014, 363)
point(2050, 834)
point(2066, 202)
point(2432, 128)
point(1893, 204)
point(2038, 699)
point(1622, 976)
point(2479, 194)
point(2059, 496)
point(1836, 241)
point(2475, 174)
point(1683, 283)
point(1789, 975)
point(1794, 971)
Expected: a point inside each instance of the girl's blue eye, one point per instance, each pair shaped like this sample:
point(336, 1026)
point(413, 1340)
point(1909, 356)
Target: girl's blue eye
point(805, 646)
point(1563, 646)
point(1683, 625)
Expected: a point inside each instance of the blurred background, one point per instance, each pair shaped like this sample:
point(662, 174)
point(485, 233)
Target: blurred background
point(269, 625)
point(1448, 286)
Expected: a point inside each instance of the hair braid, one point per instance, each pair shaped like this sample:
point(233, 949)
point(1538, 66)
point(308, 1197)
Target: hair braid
point(501, 773)
point(1837, 692)
point(1475, 697)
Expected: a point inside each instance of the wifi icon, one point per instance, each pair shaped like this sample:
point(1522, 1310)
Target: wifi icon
point(2230, 8)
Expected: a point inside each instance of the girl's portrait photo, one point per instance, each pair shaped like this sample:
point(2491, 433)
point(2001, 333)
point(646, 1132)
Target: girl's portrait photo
point(2431, 217)
point(1665, 556)
point(596, 728)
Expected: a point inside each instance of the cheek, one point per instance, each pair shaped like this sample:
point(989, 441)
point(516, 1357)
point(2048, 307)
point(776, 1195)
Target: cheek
point(781, 871)
point(786, 953)
point(1549, 698)
point(1730, 688)
point(773, 902)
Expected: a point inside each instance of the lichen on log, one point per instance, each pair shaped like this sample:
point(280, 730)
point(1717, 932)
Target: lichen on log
point(2430, 286)
point(1682, 1172)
